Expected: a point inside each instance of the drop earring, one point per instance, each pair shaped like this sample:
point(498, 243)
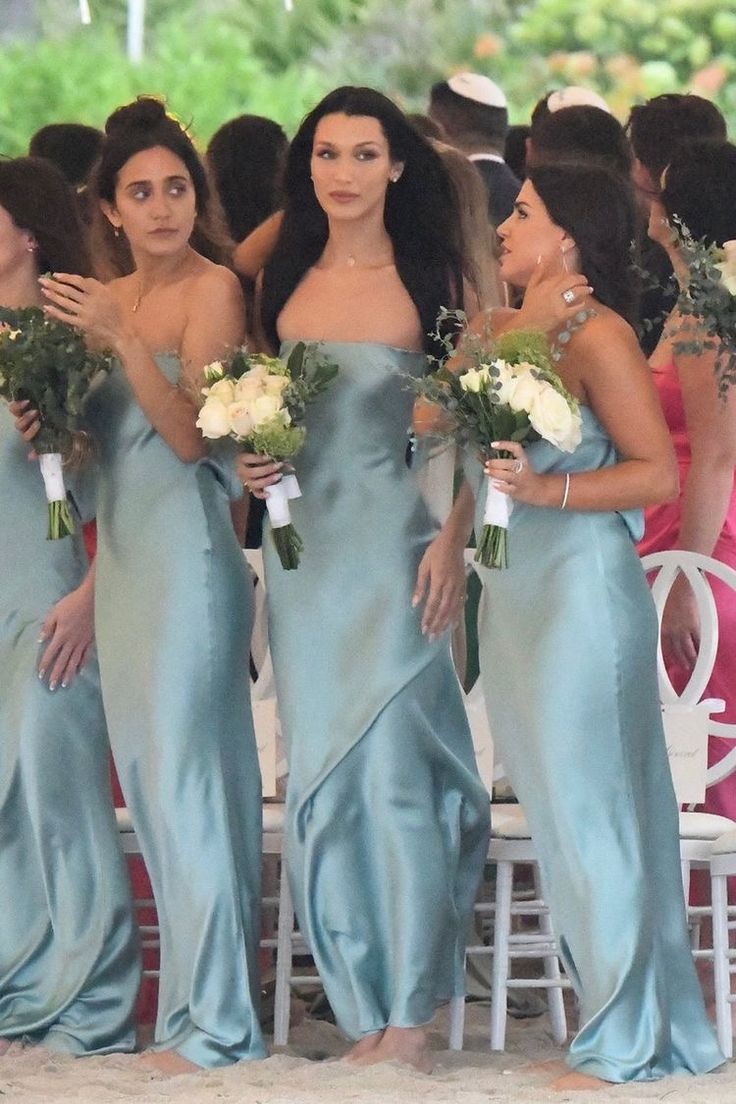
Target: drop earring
point(564, 259)
point(116, 231)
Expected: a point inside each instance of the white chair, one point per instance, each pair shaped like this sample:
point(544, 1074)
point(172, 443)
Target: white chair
point(688, 714)
point(723, 866)
point(511, 847)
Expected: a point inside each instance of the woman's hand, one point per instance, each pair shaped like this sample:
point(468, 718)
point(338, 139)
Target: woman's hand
point(552, 298)
point(441, 583)
point(27, 421)
point(85, 303)
point(517, 478)
point(69, 632)
point(680, 632)
point(257, 473)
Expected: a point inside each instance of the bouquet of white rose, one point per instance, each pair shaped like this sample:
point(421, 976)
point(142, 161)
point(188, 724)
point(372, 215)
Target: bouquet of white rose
point(48, 364)
point(260, 402)
point(510, 393)
point(710, 299)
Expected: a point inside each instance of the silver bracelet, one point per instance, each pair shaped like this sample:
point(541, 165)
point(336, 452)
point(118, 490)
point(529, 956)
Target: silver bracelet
point(563, 504)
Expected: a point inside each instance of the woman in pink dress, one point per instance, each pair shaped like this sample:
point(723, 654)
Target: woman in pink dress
point(700, 188)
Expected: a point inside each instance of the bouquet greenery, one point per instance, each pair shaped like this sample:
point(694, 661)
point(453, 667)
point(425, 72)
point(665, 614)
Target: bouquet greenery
point(260, 402)
point(48, 363)
point(510, 392)
point(708, 304)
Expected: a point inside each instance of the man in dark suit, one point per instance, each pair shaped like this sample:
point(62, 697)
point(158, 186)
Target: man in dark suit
point(472, 109)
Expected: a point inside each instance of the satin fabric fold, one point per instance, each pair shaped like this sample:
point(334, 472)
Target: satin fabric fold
point(174, 616)
point(388, 819)
point(568, 637)
point(69, 963)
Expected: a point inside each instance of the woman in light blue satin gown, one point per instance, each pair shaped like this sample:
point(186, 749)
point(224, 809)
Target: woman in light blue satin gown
point(174, 598)
point(387, 817)
point(69, 964)
point(568, 651)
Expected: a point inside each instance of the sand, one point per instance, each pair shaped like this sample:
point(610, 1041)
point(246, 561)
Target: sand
point(474, 1076)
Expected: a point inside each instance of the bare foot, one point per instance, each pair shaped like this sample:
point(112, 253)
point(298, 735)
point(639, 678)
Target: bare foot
point(168, 1062)
point(407, 1045)
point(364, 1046)
point(578, 1082)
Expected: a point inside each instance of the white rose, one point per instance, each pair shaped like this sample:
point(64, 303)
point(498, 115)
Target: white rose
point(214, 371)
point(248, 387)
point(266, 407)
point(554, 420)
point(240, 416)
point(213, 420)
point(470, 380)
point(524, 392)
point(505, 382)
point(224, 390)
point(728, 267)
point(275, 385)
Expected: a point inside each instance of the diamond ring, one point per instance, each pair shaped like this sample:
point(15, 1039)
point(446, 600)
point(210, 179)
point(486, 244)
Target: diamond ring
point(518, 467)
point(569, 296)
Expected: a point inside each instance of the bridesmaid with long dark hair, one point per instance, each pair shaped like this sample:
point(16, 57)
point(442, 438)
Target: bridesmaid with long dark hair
point(69, 967)
point(174, 597)
point(388, 819)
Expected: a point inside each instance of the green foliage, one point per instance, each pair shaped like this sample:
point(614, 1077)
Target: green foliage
point(48, 363)
point(214, 59)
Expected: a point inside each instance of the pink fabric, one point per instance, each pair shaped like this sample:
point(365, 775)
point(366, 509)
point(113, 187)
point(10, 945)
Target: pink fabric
point(661, 533)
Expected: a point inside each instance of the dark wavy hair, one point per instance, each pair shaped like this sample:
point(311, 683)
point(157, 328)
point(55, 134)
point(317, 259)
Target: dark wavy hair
point(596, 207)
point(38, 198)
point(421, 215)
point(583, 133)
point(131, 129)
point(658, 127)
point(246, 159)
point(700, 188)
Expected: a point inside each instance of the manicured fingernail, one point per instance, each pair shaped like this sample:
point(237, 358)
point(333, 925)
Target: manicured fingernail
point(52, 686)
point(495, 444)
point(41, 675)
point(414, 602)
point(40, 639)
point(64, 685)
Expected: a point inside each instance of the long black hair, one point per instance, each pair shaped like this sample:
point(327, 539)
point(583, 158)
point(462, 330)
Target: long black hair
point(596, 207)
point(38, 198)
point(421, 215)
point(246, 158)
point(700, 188)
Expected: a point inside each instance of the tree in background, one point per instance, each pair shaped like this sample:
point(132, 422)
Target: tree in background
point(214, 59)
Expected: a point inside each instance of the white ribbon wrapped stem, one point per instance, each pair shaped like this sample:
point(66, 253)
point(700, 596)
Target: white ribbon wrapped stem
point(498, 507)
point(53, 476)
point(278, 496)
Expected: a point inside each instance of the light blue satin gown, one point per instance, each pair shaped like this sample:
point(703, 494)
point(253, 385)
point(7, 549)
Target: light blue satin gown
point(387, 817)
point(69, 963)
point(174, 613)
point(568, 638)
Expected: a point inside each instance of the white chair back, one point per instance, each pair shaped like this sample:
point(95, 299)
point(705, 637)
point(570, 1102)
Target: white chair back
point(688, 715)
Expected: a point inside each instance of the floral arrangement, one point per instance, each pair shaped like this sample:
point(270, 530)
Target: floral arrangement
point(260, 402)
point(510, 392)
point(709, 299)
point(47, 363)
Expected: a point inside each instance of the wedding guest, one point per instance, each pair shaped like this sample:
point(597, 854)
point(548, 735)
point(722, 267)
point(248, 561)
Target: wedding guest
point(69, 965)
point(699, 188)
point(656, 129)
point(515, 152)
point(583, 133)
point(173, 596)
point(246, 158)
point(568, 643)
point(387, 817)
point(573, 95)
point(473, 112)
point(72, 147)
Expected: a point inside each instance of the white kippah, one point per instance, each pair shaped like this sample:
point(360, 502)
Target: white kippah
point(475, 87)
point(575, 96)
